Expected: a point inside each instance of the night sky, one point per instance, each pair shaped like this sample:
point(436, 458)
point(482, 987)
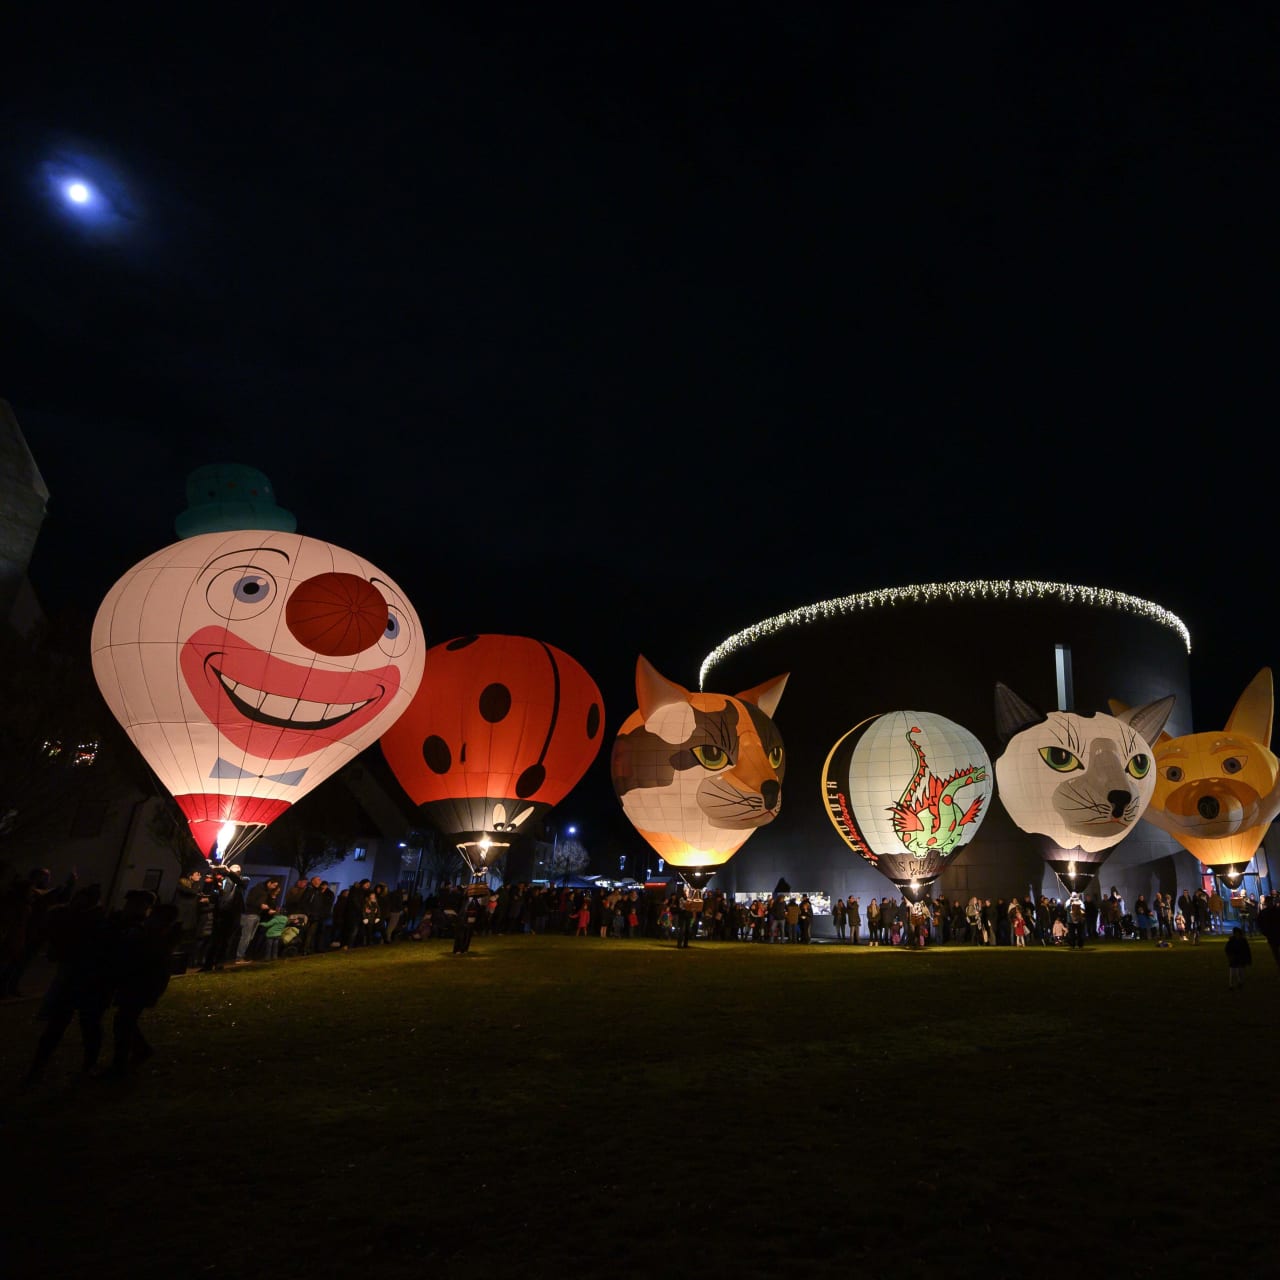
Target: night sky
point(627, 332)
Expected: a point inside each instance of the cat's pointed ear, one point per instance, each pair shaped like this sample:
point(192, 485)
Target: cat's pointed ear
point(655, 694)
point(766, 696)
point(1012, 714)
point(1122, 711)
point(1148, 720)
point(654, 691)
point(1251, 716)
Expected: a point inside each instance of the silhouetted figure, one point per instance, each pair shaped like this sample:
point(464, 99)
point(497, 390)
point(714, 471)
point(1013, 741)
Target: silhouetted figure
point(1269, 924)
point(227, 911)
point(81, 948)
point(142, 945)
point(465, 926)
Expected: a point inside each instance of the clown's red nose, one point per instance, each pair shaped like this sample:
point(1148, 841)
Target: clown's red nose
point(337, 614)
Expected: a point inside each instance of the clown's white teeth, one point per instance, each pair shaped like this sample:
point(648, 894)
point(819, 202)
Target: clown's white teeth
point(274, 705)
point(284, 708)
point(253, 697)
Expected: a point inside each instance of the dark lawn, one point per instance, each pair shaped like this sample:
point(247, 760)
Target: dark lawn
point(550, 1106)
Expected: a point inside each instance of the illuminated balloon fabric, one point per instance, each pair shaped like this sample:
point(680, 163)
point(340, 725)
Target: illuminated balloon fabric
point(907, 790)
point(502, 728)
point(248, 665)
point(226, 496)
point(1217, 793)
point(697, 773)
point(1082, 781)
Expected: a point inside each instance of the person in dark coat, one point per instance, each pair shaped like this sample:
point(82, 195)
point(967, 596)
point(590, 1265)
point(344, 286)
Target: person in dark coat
point(1268, 922)
point(466, 924)
point(82, 986)
point(1239, 958)
point(186, 897)
point(141, 964)
point(228, 908)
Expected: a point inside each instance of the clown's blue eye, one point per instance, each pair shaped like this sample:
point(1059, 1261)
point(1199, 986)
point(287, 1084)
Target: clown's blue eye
point(393, 627)
point(252, 589)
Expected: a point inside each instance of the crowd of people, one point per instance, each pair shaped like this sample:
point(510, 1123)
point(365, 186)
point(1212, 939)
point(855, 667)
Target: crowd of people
point(122, 960)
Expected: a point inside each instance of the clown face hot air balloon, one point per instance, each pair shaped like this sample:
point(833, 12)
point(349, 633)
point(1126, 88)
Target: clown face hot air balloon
point(907, 791)
point(248, 665)
point(1082, 781)
point(697, 773)
point(501, 729)
point(1216, 793)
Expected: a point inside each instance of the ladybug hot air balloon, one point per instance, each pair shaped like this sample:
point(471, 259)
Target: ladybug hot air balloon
point(907, 791)
point(697, 773)
point(248, 665)
point(501, 729)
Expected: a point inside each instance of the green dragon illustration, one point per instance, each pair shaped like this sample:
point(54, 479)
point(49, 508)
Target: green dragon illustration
point(930, 821)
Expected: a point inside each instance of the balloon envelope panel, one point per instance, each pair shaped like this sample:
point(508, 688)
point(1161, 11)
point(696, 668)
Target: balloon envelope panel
point(907, 790)
point(239, 707)
point(502, 728)
point(1211, 795)
point(700, 774)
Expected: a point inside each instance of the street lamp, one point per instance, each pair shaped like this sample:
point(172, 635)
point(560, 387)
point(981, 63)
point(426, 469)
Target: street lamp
point(555, 844)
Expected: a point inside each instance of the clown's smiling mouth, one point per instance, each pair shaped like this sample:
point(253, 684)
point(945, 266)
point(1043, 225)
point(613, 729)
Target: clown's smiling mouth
point(284, 712)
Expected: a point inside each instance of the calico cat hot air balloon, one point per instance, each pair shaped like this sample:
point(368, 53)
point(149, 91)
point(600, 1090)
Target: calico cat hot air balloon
point(697, 773)
point(248, 665)
point(502, 728)
point(907, 790)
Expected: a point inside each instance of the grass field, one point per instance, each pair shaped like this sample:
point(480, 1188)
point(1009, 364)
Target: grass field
point(560, 1106)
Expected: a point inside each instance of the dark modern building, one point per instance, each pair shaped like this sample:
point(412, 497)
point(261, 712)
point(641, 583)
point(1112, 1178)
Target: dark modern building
point(941, 648)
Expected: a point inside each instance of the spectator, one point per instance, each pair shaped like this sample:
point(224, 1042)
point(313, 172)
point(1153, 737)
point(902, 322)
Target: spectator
point(1239, 957)
point(259, 907)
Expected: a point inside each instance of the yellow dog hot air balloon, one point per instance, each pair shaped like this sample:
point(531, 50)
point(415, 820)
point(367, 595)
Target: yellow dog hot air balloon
point(1217, 793)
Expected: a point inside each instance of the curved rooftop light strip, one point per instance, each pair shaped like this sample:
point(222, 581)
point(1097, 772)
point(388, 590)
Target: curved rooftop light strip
point(932, 593)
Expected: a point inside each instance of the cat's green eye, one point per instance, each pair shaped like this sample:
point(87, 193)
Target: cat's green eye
point(1139, 766)
point(775, 758)
point(1060, 759)
point(710, 756)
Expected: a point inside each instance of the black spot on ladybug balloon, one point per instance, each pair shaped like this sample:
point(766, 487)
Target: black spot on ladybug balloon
point(501, 729)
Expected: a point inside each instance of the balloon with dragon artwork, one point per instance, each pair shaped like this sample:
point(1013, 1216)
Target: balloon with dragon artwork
point(247, 665)
point(697, 773)
point(907, 790)
point(1217, 792)
point(502, 728)
point(1081, 781)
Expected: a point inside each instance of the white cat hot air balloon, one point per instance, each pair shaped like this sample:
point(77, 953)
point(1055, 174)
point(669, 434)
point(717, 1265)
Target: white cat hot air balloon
point(248, 665)
point(1082, 781)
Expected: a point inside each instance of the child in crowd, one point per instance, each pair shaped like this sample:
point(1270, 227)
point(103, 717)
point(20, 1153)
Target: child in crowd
point(1059, 932)
point(1239, 958)
point(271, 932)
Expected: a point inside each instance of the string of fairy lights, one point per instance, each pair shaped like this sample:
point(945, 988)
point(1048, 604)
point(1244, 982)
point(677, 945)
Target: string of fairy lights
point(943, 593)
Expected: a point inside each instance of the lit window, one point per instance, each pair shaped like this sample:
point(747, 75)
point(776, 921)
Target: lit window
point(359, 853)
